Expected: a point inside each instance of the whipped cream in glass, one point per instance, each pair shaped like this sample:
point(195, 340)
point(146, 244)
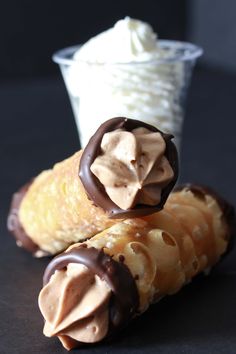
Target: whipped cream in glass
point(126, 71)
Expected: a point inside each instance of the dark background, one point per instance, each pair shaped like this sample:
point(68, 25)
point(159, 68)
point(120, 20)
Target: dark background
point(37, 129)
point(30, 31)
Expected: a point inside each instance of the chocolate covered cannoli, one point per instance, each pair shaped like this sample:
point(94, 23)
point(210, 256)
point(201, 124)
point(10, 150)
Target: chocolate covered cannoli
point(127, 169)
point(96, 287)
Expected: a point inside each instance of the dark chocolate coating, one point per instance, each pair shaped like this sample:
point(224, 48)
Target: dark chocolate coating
point(228, 210)
point(124, 301)
point(94, 188)
point(14, 224)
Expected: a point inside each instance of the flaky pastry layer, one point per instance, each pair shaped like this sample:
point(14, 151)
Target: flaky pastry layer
point(56, 212)
point(167, 249)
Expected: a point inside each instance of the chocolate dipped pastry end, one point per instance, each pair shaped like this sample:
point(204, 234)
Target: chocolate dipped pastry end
point(129, 168)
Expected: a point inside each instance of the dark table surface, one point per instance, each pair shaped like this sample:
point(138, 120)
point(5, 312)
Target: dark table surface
point(36, 130)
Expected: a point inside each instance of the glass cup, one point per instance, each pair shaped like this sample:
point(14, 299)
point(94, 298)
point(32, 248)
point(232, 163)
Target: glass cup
point(152, 91)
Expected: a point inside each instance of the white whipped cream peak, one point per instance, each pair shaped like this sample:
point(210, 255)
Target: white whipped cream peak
point(118, 73)
point(129, 40)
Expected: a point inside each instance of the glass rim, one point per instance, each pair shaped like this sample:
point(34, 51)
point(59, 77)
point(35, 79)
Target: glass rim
point(190, 52)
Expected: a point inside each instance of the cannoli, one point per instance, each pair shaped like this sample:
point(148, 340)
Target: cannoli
point(95, 288)
point(127, 169)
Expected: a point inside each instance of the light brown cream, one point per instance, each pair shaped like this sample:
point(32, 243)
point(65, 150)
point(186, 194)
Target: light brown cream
point(74, 305)
point(132, 167)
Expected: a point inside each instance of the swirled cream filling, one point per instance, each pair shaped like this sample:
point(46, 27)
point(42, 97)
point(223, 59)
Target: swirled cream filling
point(74, 305)
point(132, 167)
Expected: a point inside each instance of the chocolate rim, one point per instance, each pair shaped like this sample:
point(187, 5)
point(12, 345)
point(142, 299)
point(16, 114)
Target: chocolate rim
point(94, 188)
point(228, 210)
point(125, 299)
point(14, 225)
